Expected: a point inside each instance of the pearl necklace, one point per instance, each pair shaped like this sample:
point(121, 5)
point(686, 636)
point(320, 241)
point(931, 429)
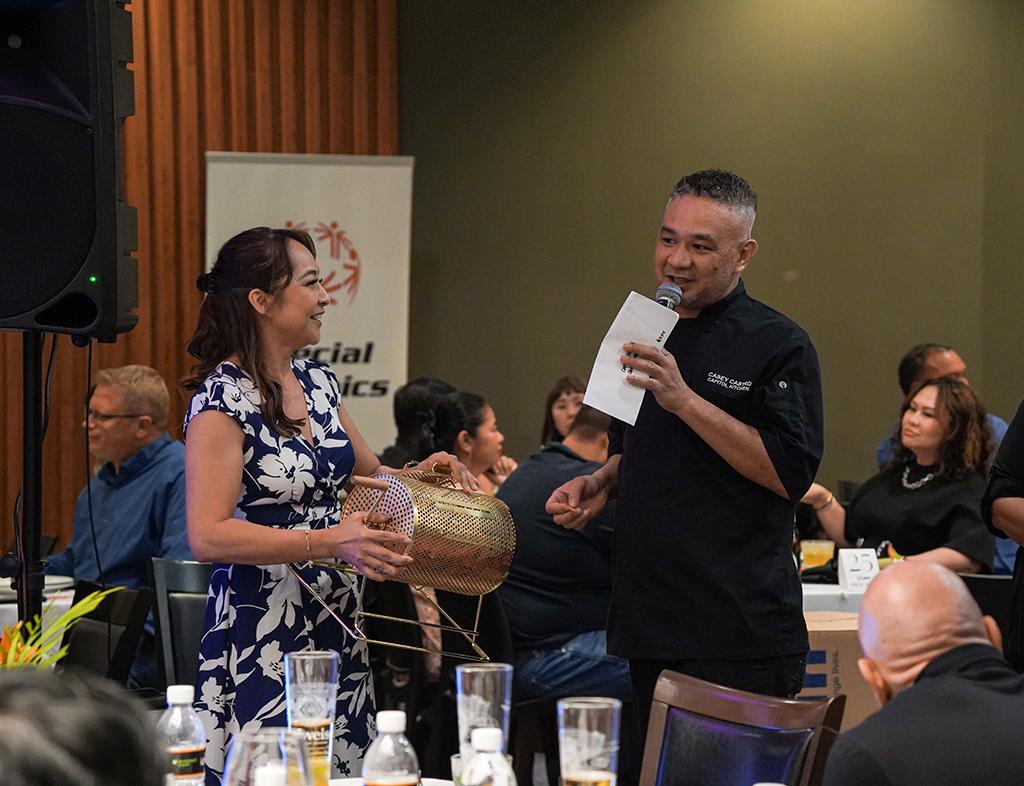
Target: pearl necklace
point(917, 483)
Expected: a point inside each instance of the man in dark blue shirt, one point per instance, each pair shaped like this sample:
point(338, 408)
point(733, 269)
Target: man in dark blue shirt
point(557, 593)
point(136, 502)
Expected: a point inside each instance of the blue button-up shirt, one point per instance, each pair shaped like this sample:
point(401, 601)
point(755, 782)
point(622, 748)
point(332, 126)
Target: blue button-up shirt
point(138, 513)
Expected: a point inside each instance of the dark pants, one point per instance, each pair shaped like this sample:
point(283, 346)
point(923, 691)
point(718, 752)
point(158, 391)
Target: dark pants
point(780, 676)
point(580, 667)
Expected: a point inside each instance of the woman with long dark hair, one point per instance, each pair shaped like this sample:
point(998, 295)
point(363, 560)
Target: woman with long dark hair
point(269, 446)
point(560, 407)
point(926, 502)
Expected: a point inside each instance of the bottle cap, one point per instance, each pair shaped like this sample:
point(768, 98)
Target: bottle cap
point(180, 694)
point(390, 721)
point(486, 739)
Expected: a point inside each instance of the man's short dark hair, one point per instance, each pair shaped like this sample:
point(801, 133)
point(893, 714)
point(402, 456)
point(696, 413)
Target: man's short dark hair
point(415, 403)
point(719, 185)
point(589, 424)
point(913, 363)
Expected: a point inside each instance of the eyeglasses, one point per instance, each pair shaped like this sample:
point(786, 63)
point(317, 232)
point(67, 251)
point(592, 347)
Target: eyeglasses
point(102, 417)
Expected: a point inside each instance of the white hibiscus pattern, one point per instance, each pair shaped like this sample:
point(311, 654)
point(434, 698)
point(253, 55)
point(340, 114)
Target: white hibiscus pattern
point(257, 614)
point(271, 660)
point(287, 475)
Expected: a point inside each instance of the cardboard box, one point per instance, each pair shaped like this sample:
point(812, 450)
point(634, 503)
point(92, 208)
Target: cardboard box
point(832, 664)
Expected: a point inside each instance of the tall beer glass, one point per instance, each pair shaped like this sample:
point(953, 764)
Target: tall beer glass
point(483, 700)
point(311, 690)
point(588, 740)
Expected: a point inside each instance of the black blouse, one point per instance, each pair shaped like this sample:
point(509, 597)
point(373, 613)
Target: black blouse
point(945, 511)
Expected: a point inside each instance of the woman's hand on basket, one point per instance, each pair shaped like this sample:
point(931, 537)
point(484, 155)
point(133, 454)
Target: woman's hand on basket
point(448, 464)
point(376, 553)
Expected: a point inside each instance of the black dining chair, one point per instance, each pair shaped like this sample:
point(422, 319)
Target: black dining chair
point(398, 672)
point(702, 733)
point(105, 640)
point(438, 727)
point(181, 588)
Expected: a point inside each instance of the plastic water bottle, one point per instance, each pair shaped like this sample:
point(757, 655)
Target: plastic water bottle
point(391, 761)
point(183, 736)
point(488, 765)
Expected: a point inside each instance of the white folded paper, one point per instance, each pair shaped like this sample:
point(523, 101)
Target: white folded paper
point(640, 320)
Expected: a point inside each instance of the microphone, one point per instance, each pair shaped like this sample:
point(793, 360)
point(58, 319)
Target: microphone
point(668, 295)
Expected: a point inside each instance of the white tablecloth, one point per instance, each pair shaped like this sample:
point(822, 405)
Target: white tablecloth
point(53, 607)
point(828, 597)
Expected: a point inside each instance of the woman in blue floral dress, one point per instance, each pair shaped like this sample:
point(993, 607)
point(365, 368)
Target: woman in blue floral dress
point(268, 448)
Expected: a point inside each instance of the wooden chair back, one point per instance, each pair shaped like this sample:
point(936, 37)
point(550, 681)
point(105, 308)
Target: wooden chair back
point(702, 733)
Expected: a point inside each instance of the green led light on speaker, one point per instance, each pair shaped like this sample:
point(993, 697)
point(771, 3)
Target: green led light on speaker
point(93, 279)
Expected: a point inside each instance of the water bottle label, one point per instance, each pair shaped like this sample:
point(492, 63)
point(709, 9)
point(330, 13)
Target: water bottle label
point(186, 762)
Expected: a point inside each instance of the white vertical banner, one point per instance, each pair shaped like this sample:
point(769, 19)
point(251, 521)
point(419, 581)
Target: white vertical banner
point(358, 211)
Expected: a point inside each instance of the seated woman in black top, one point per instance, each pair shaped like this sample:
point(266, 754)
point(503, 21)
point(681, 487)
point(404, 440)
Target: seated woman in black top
point(926, 502)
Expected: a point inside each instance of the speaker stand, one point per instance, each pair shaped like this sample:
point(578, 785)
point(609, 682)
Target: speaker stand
point(30, 573)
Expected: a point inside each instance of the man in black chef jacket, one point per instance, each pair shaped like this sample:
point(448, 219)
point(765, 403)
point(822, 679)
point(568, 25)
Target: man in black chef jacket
point(727, 440)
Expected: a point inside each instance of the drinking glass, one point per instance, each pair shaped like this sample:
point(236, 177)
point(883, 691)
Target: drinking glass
point(268, 757)
point(311, 689)
point(483, 700)
point(814, 553)
point(588, 740)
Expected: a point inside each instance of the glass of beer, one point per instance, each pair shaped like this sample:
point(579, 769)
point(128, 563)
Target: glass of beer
point(268, 757)
point(588, 740)
point(814, 553)
point(483, 700)
point(311, 690)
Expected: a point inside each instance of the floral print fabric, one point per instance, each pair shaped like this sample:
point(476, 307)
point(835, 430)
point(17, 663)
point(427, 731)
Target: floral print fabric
point(256, 614)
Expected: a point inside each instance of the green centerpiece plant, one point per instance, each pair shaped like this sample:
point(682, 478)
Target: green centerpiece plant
point(28, 644)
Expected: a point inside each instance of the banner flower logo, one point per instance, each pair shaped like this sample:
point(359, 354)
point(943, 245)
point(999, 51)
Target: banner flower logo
point(342, 251)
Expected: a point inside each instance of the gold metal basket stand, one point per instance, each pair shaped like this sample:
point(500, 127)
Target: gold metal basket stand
point(461, 542)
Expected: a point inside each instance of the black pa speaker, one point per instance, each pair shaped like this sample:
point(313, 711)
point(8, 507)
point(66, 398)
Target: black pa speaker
point(66, 234)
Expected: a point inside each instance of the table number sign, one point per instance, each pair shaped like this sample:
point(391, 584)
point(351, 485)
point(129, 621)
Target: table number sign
point(856, 569)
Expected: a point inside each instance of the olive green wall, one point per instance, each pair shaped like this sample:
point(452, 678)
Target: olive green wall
point(879, 136)
point(1002, 308)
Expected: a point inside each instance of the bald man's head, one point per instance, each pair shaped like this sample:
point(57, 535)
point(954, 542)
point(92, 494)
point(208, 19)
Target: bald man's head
point(913, 612)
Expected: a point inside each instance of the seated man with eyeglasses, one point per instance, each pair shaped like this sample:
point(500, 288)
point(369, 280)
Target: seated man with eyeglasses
point(135, 503)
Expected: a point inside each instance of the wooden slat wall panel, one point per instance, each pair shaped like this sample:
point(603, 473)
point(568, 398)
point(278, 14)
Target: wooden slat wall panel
point(295, 76)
